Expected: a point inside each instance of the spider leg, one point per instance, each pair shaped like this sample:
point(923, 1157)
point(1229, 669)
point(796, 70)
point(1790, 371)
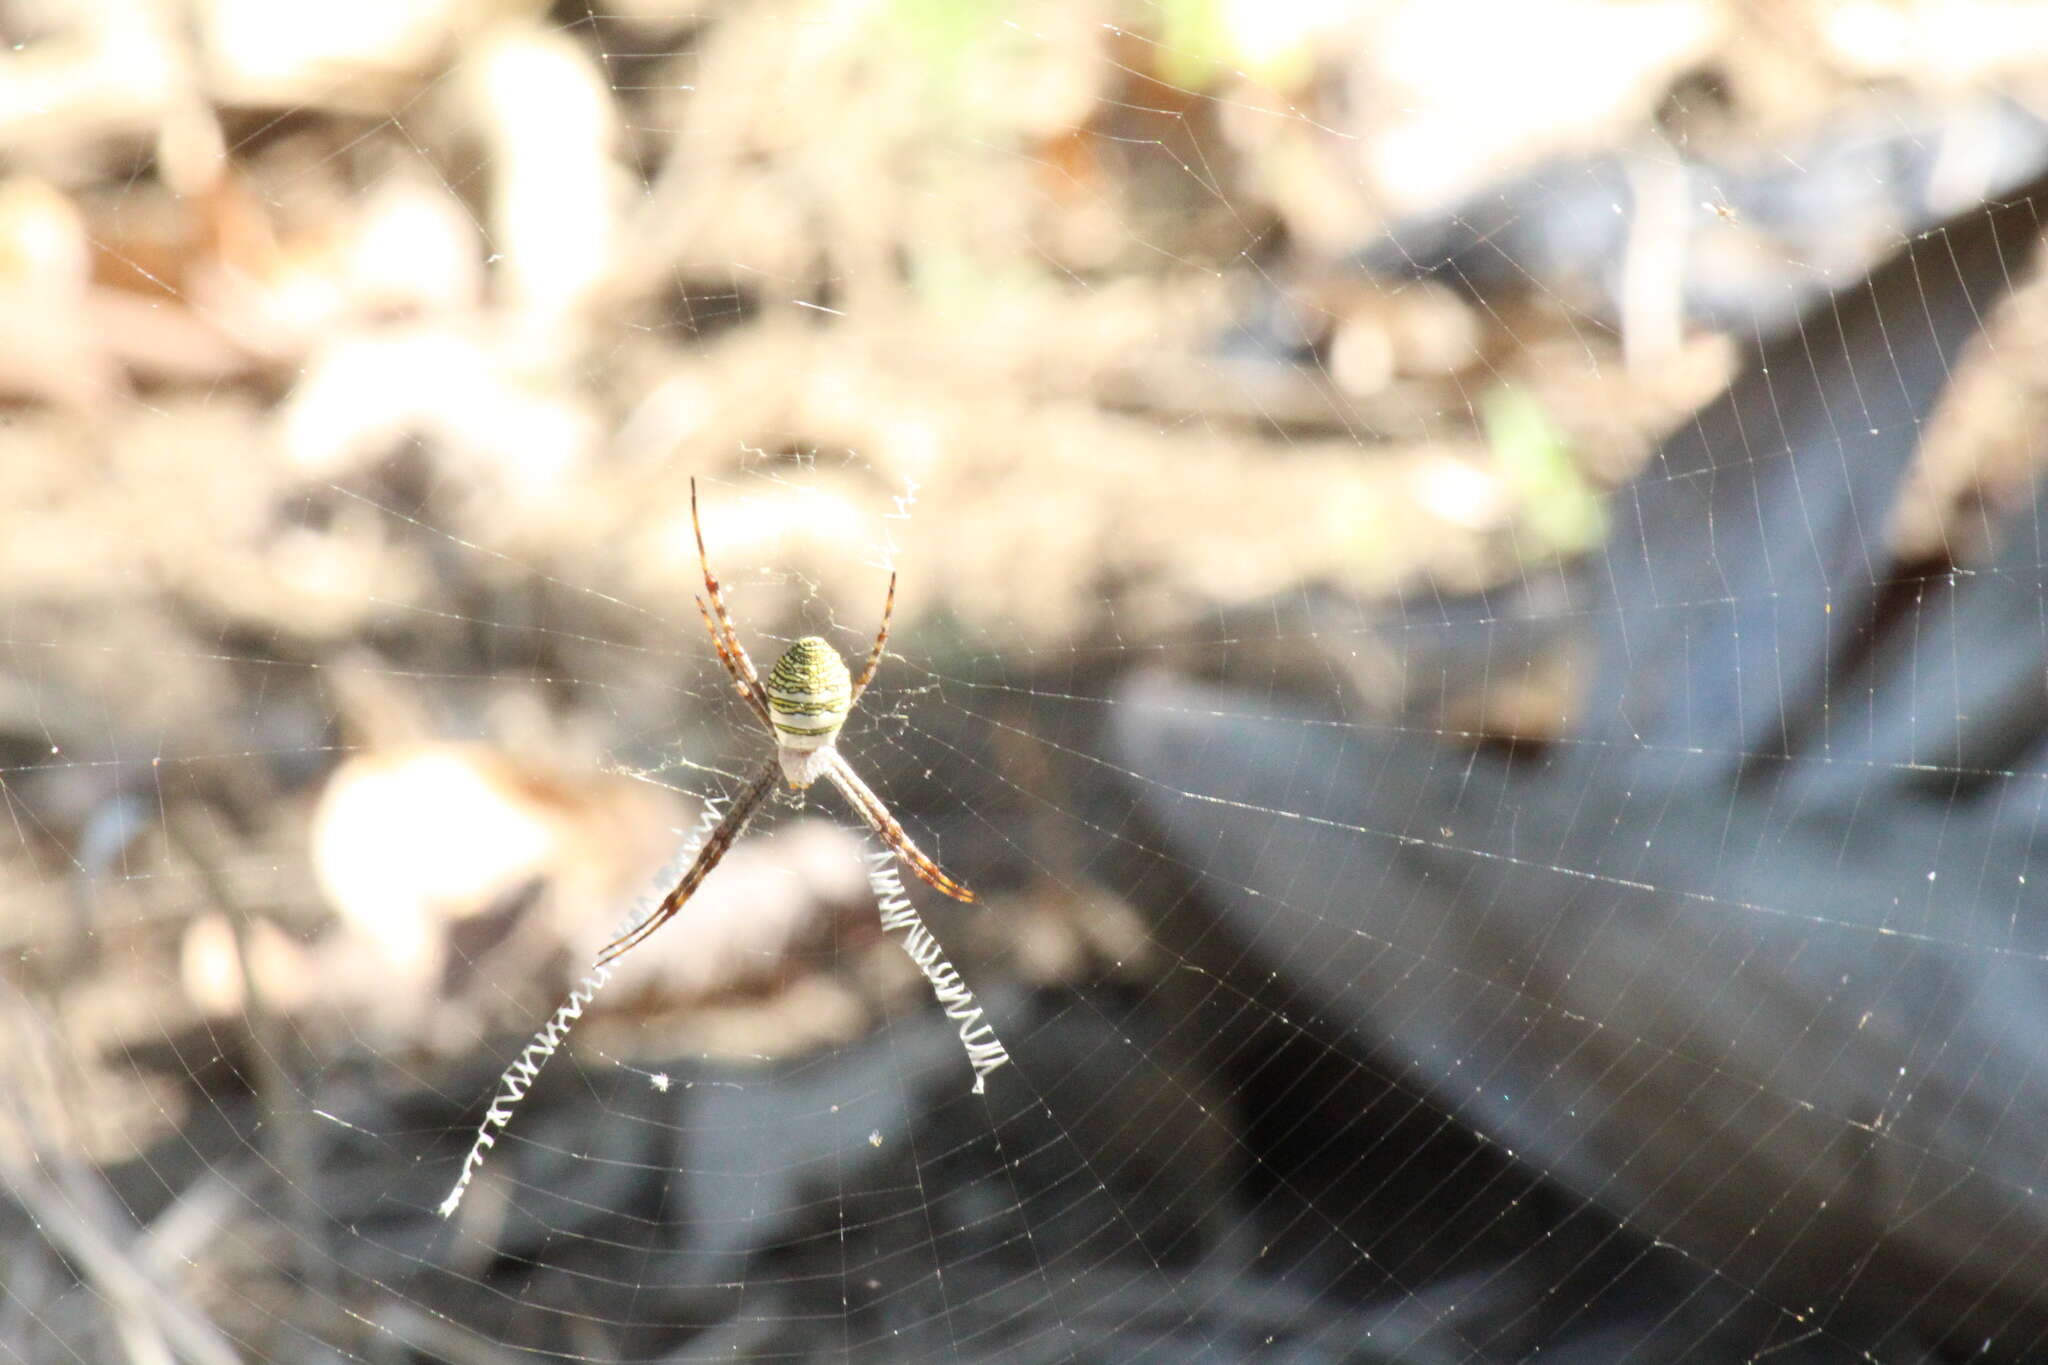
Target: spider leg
point(867, 675)
point(731, 652)
point(739, 679)
point(721, 839)
point(885, 826)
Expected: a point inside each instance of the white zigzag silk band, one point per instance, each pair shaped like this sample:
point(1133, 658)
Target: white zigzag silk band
point(518, 1078)
point(985, 1051)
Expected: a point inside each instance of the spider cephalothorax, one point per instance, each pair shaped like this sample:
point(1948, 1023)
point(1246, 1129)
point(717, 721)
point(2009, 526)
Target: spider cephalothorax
point(804, 703)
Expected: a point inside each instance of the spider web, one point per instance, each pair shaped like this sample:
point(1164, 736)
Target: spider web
point(1471, 603)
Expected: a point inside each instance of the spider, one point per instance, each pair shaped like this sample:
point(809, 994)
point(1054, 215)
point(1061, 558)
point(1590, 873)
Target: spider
point(806, 699)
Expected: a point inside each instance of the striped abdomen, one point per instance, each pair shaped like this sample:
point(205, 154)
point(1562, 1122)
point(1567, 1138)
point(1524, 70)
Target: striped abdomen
point(809, 694)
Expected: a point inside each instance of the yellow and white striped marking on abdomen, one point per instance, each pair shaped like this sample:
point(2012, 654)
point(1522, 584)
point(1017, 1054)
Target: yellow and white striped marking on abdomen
point(809, 693)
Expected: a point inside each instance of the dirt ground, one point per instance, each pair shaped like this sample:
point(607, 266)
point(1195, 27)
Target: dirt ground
point(353, 374)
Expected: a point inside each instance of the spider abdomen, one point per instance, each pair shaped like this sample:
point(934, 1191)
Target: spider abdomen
point(809, 693)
